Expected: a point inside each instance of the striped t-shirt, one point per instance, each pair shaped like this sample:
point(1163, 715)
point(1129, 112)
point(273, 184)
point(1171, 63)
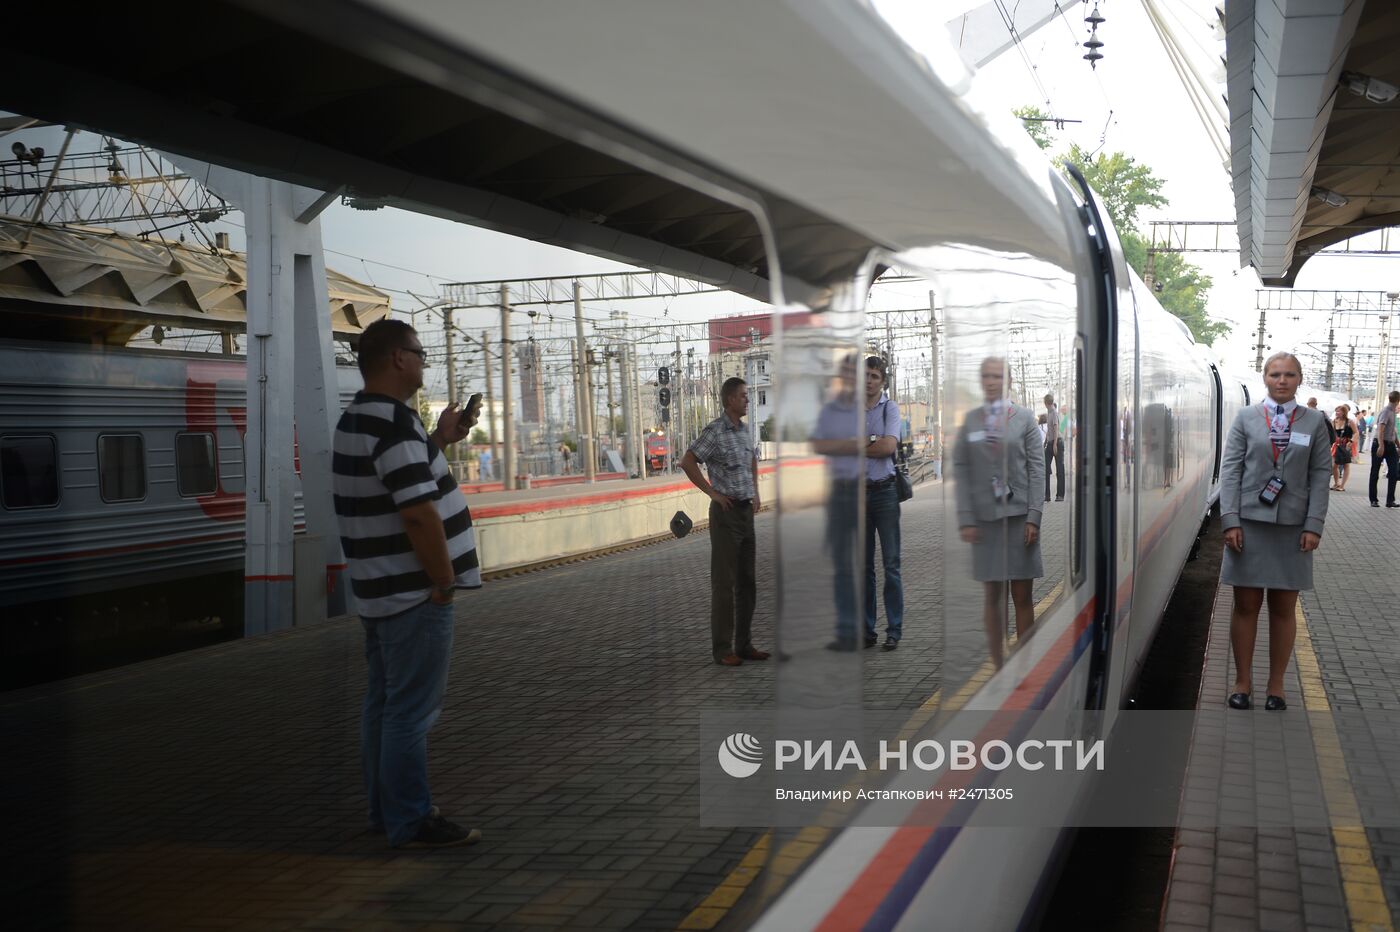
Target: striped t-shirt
point(383, 461)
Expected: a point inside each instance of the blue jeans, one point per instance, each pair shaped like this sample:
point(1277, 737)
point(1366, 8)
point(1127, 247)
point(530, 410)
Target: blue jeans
point(843, 507)
point(408, 654)
point(882, 518)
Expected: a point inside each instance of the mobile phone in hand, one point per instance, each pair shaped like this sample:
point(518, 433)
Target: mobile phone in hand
point(474, 404)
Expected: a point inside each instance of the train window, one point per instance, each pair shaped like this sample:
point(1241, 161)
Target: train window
point(195, 473)
point(121, 466)
point(30, 472)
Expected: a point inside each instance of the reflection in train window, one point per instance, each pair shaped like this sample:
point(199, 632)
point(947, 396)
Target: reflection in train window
point(194, 464)
point(121, 466)
point(30, 472)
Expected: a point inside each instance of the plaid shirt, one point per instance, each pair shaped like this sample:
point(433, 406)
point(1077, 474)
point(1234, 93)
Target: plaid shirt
point(728, 453)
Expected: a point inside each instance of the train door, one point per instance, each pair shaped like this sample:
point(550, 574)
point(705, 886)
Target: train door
point(1220, 426)
point(1115, 385)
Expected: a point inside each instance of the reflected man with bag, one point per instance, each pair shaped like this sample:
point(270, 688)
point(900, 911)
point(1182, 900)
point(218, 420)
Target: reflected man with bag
point(877, 479)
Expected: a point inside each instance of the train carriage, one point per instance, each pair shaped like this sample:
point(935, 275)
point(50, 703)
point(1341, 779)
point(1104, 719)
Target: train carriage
point(122, 488)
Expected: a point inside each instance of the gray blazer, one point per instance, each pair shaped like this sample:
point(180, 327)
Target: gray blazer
point(1248, 462)
point(975, 462)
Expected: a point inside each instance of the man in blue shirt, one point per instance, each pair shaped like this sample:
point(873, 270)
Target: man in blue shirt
point(875, 478)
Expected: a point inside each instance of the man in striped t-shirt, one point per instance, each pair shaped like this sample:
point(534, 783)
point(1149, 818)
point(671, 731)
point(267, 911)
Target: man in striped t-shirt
point(408, 538)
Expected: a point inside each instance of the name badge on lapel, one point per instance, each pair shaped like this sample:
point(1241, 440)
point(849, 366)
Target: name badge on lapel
point(1299, 439)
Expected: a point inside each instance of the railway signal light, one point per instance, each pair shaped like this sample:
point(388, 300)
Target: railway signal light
point(663, 377)
point(664, 397)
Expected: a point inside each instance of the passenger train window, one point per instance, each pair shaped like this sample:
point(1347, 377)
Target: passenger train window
point(195, 472)
point(30, 472)
point(121, 466)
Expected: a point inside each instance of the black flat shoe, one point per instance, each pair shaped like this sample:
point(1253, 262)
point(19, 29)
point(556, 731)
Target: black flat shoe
point(1239, 701)
point(1275, 704)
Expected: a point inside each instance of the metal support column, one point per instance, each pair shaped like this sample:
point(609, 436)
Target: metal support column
point(507, 416)
point(1259, 345)
point(585, 395)
point(935, 412)
point(1331, 352)
point(290, 374)
point(1383, 362)
point(490, 407)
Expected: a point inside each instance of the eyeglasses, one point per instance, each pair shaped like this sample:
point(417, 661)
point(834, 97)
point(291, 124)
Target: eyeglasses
point(417, 351)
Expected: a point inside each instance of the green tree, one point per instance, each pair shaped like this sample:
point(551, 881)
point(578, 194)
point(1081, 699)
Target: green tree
point(765, 430)
point(1127, 187)
point(479, 436)
point(1033, 119)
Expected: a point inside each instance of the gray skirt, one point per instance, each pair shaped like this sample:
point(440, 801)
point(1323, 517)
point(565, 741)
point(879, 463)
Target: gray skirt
point(1271, 558)
point(1002, 553)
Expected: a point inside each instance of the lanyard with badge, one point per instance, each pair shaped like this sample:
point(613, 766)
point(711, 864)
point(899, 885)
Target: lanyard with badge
point(1001, 491)
point(1270, 492)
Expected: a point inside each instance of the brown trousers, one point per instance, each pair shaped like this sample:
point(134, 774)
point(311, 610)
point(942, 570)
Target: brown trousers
point(733, 587)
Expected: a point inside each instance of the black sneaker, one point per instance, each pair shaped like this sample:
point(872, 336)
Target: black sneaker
point(871, 642)
point(437, 832)
point(891, 644)
point(433, 813)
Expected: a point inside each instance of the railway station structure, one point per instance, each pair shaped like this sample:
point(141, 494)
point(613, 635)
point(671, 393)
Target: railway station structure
point(608, 828)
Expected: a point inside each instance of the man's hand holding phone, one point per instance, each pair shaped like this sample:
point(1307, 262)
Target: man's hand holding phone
point(455, 423)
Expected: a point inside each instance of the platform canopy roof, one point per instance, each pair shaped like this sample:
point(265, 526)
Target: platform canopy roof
point(1314, 130)
point(91, 285)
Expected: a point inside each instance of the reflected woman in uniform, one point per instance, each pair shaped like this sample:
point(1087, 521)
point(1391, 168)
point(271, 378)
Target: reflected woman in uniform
point(999, 464)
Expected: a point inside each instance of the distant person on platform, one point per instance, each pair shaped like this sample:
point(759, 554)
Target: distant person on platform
point(1054, 449)
point(409, 541)
point(998, 468)
point(730, 456)
point(564, 451)
point(1384, 448)
point(1273, 502)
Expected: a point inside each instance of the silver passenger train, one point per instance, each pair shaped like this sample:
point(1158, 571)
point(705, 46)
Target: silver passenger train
point(852, 153)
point(122, 489)
point(794, 150)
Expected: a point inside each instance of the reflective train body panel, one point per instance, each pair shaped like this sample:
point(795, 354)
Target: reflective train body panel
point(819, 149)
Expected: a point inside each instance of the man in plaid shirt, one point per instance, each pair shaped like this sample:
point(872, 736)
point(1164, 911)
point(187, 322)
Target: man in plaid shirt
point(727, 449)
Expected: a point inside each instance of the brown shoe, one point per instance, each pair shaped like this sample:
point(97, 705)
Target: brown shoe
point(753, 653)
point(730, 660)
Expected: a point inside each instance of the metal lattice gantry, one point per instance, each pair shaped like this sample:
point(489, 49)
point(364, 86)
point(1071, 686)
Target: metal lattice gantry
point(111, 185)
point(1355, 356)
point(612, 286)
point(1223, 236)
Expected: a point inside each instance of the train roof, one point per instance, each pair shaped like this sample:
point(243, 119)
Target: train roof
point(641, 130)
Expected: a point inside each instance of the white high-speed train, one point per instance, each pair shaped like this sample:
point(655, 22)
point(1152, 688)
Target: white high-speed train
point(846, 152)
point(794, 150)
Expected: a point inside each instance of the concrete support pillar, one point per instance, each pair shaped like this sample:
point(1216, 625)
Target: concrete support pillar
point(291, 374)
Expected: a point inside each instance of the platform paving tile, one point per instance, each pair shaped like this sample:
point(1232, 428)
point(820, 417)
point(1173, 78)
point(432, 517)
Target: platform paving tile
point(1272, 878)
point(221, 787)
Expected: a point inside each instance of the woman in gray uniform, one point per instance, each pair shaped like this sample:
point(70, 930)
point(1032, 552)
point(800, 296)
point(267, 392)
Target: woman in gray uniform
point(999, 463)
point(1273, 502)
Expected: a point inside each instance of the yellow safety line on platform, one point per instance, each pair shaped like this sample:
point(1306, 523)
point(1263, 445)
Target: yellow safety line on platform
point(1361, 882)
point(793, 854)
